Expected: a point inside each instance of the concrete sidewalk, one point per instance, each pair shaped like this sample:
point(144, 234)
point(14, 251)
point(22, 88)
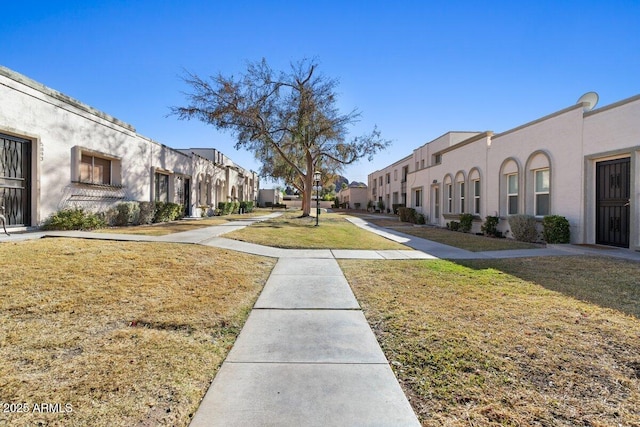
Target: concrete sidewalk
point(306, 356)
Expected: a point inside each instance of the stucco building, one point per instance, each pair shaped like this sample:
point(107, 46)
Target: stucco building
point(579, 162)
point(57, 152)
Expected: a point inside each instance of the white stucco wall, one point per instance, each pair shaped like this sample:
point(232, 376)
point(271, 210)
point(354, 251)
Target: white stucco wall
point(62, 128)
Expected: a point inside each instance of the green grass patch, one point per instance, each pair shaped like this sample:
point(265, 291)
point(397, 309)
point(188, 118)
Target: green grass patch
point(292, 231)
point(485, 344)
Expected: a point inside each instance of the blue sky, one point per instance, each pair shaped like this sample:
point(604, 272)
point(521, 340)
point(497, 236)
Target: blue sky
point(416, 69)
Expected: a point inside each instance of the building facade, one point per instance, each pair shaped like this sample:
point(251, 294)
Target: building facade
point(581, 163)
point(57, 152)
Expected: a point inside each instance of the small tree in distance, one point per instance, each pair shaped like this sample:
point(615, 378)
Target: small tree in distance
point(288, 119)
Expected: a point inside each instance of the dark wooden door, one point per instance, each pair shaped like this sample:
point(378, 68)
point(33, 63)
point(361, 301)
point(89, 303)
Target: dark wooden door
point(15, 174)
point(613, 179)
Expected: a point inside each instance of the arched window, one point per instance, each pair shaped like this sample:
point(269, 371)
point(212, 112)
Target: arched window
point(448, 194)
point(538, 187)
point(475, 191)
point(510, 200)
point(461, 192)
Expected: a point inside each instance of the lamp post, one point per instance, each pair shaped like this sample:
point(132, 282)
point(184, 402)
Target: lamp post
point(316, 180)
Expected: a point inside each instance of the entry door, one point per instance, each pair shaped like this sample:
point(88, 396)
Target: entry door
point(613, 181)
point(15, 173)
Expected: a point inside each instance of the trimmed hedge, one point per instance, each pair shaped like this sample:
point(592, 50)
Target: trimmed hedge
point(556, 229)
point(74, 219)
point(165, 212)
point(246, 206)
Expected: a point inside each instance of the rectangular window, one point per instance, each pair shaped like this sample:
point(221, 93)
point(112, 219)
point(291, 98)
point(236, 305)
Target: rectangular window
point(512, 194)
point(405, 172)
point(476, 197)
point(418, 198)
point(436, 204)
point(449, 198)
point(395, 198)
point(380, 181)
point(417, 165)
point(542, 192)
point(437, 159)
point(395, 174)
point(422, 163)
point(388, 178)
point(461, 189)
point(162, 187)
point(95, 170)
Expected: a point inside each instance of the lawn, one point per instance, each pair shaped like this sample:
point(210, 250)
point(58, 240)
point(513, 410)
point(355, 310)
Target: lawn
point(470, 242)
point(119, 333)
point(162, 229)
point(507, 342)
point(292, 231)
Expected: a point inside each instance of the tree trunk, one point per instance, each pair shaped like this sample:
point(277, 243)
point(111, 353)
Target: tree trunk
point(308, 188)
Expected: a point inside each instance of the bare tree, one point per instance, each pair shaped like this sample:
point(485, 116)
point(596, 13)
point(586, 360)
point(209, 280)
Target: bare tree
point(288, 119)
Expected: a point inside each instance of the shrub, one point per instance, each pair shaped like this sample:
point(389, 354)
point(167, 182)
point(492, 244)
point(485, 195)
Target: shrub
point(466, 221)
point(127, 213)
point(246, 206)
point(556, 229)
point(420, 219)
point(407, 214)
point(490, 226)
point(226, 208)
point(381, 205)
point(74, 219)
point(523, 228)
point(453, 225)
point(147, 212)
point(168, 212)
point(395, 207)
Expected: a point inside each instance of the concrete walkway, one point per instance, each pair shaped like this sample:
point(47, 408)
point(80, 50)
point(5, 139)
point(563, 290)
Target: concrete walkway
point(306, 356)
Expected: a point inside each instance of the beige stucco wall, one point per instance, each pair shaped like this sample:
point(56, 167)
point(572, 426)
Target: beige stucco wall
point(568, 142)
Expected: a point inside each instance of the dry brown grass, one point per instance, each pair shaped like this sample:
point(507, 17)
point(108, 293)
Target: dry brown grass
point(480, 346)
point(292, 231)
point(162, 229)
point(125, 333)
point(470, 242)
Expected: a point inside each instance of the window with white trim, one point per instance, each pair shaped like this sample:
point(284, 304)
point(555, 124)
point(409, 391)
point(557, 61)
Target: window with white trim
point(541, 199)
point(476, 196)
point(436, 202)
point(461, 193)
point(449, 189)
point(512, 194)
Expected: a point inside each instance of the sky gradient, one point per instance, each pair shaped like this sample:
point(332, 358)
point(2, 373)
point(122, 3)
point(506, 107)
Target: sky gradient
point(416, 69)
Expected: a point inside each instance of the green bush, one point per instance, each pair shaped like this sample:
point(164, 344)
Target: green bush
point(453, 225)
point(74, 219)
point(246, 206)
point(490, 226)
point(466, 222)
point(226, 208)
point(168, 212)
point(147, 212)
point(523, 228)
point(420, 218)
point(407, 214)
point(127, 213)
point(556, 229)
point(396, 206)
